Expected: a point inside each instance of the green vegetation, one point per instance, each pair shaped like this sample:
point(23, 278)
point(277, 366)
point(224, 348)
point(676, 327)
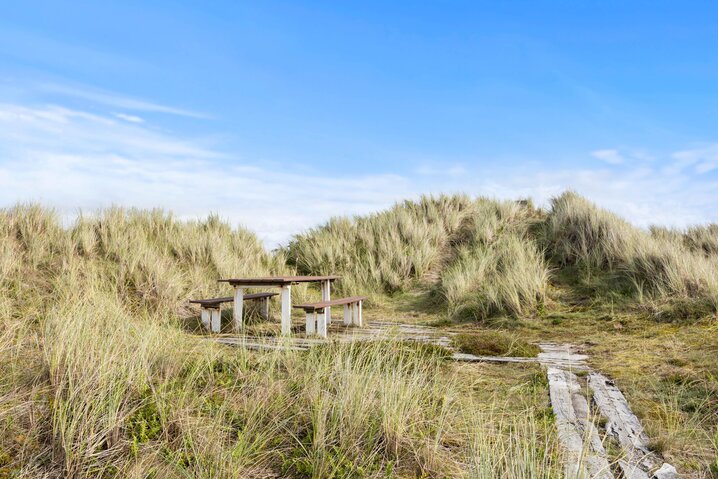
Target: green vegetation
point(477, 254)
point(103, 375)
point(494, 343)
point(99, 376)
point(665, 266)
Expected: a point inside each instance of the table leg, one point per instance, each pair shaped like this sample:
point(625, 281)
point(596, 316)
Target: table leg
point(286, 309)
point(326, 296)
point(238, 308)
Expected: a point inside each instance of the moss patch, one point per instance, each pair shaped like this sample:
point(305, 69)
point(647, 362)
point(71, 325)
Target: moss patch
point(494, 343)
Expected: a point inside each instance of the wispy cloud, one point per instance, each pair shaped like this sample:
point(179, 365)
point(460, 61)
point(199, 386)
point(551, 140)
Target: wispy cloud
point(438, 169)
point(703, 159)
point(130, 118)
point(72, 159)
point(612, 157)
point(116, 100)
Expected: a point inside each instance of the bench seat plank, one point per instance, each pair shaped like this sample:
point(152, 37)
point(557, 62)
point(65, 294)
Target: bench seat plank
point(324, 304)
point(229, 299)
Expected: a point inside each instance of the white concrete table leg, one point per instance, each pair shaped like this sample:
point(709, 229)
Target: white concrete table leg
point(286, 309)
point(347, 315)
point(216, 320)
point(326, 296)
point(311, 323)
point(322, 325)
point(360, 321)
point(355, 314)
point(238, 308)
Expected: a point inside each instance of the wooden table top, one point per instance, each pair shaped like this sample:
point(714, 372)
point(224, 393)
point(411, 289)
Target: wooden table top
point(278, 280)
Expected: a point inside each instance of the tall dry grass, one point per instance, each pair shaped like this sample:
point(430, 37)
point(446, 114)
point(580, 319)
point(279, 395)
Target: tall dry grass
point(661, 264)
point(496, 266)
point(97, 379)
point(479, 254)
point(122, 396)
point(382, 252)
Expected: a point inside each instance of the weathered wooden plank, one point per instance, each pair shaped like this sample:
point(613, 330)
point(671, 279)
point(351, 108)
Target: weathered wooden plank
point(328, 303)
point(625, 428)
point(551, 352)
point(490, 359)
point(583, 459)
point(277, 280)
point(263, 346)
point(229, 299)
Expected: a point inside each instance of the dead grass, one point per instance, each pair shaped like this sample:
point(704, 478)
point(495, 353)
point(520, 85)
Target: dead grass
point(98, 378)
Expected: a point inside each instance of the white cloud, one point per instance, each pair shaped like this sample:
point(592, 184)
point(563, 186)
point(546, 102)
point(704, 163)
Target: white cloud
point(703, 159)
point(115, 100)
point(130, 118)
point(72, 159)
point(435, 169)
point(612, 157)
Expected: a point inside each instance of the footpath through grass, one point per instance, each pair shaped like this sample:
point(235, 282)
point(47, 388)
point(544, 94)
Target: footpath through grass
point(667, 368)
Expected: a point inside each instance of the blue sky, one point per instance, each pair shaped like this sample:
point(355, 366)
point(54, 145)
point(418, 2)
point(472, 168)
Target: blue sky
point(278, 115)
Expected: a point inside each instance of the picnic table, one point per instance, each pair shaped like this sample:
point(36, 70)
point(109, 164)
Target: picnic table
point(284, 283)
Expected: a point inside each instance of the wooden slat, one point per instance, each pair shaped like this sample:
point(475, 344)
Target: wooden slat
point(278, 280)
point(638, 460)
point(585, 455)
point(229, 299)
point(325, 304)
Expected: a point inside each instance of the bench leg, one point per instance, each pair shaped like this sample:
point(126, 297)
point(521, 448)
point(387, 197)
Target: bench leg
point(326, 296)
point(356, 313)
point(347, 315)
point(286, 309)
point(216, 320)
point(322, 324)
point(311, 323)
point(265, 308)
point(205, 317)
point(238, 309)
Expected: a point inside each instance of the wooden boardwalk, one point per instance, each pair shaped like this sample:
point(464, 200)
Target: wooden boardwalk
point(374, 331)
point(588, 407)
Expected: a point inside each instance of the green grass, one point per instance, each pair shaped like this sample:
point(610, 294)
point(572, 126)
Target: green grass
point(100, 375)
point(494, 343)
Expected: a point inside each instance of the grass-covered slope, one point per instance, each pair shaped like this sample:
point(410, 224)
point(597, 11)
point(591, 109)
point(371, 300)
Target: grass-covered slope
point(99, 379)
point(477, 254)
point(485, 258)
point(664, 266)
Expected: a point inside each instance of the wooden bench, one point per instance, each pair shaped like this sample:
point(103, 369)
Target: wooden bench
point(211, 309)
point(317, 321)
